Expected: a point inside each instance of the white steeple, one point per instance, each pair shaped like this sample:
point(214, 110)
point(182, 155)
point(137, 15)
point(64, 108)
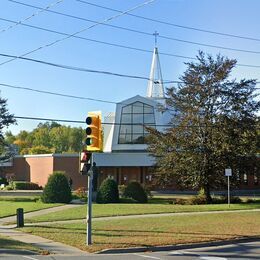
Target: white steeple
point(155, 87)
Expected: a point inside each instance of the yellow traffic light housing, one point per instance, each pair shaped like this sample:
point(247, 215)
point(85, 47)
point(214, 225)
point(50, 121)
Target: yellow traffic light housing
point(93, 132)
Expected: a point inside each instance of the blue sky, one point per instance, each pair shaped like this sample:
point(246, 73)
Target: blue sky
point(237, 17)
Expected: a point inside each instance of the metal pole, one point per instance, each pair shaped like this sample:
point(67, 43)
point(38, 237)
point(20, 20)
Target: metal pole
point(89, 211)
point(228, 192)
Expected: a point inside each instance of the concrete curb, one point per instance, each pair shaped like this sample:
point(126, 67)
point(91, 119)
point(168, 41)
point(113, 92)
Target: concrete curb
point(177, 247)
point(4, 251)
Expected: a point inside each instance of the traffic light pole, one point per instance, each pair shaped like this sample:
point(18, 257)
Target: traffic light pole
point(89, 211)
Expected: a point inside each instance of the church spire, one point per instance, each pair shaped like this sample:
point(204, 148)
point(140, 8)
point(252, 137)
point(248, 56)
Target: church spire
point(155, 87)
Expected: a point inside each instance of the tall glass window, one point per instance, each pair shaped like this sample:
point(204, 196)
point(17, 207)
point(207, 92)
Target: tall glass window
point(133, 119)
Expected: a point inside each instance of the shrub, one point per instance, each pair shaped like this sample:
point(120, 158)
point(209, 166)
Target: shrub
point(224, 199)
point(23, 185)
point(121, 189)
point(148, 191)
point(81, 193)
point(3, 180)
point(179, 201)
point(57, 189)
point(108, 192)
point(135, 191)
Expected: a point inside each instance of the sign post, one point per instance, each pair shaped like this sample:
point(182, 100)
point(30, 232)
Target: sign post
point(228, 173)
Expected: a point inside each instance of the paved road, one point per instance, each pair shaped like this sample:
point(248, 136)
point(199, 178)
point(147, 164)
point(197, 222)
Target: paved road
point(237, 251)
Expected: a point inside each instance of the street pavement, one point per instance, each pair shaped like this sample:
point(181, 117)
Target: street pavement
point(235, 251)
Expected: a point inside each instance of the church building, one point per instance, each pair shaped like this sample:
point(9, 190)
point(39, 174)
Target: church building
point(125, 157)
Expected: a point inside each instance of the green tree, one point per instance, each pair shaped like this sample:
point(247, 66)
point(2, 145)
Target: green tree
point(6, 119)
point(48, 138)
point(213, 126)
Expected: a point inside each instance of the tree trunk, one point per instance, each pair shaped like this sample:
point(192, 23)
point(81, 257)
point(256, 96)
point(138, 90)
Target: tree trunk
point(207, 193)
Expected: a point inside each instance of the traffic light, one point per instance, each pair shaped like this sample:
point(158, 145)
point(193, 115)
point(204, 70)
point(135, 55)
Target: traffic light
point(85, 162)
point(93, 131)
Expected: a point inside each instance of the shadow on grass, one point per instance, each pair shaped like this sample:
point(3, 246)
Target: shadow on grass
point(138, 233)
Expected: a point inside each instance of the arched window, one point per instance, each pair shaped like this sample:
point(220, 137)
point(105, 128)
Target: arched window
point(133, 119)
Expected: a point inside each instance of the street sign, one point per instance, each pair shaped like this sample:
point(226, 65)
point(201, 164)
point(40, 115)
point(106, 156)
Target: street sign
point(228, 172)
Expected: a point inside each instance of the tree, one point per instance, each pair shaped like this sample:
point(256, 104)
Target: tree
point(6, 119)
point(48, 138)
point(213, 126)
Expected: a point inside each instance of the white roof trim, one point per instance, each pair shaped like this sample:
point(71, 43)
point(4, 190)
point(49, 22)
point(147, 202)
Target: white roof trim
point(123, 159)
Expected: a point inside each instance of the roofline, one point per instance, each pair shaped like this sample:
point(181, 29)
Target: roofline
point(47, 155)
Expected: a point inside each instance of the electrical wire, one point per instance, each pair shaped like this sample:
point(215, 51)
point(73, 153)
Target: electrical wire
point(173, 24)
point(56, 94)
point(116, 45)
point(148, 33)
point(67, 95)
point(105, 123)
point(81, 31)
point(83, 69)
point(101, 42)
point(31, 16)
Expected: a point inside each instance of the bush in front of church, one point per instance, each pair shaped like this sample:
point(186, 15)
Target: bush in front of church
point(108, 192)
point(57, 189)
point(136, 191)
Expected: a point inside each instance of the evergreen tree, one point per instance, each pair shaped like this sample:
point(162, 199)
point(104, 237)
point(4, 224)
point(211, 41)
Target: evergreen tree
point(213, 126)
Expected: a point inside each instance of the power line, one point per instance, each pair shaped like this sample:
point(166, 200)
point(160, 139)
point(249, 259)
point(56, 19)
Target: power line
point(173, 24)
point(56, 94)
point(98, 41)
point(69, 96)
point(114, 44)
point(105, 123)
point(147, 33)
point(31, 16)
point(83, 30)
point(82, 69)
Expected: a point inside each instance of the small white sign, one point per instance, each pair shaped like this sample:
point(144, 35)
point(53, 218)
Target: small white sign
point(228, 172)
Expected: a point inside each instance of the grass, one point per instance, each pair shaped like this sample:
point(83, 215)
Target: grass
point(155, 231)
point(8, 207)
point(7, 243)
point(103, 210)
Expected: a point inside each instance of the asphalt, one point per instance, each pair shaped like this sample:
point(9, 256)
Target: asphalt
point(63, 249)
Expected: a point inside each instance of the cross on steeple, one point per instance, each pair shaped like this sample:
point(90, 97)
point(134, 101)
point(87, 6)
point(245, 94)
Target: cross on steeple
point(155, 34)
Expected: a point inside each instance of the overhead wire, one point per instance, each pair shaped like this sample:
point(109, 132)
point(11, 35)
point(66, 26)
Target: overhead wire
point(101, 42)
point(147, 33)
point(173, 24)
point(69, 96)
point(68, 67)
point(82, 30)
point(107, 123)
point(31, 16)
point(115, 44)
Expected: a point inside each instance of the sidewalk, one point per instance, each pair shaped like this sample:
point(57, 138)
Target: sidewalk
point(42, 243)
point(39, 212)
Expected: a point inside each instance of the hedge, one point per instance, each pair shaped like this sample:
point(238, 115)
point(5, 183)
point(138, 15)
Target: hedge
point(24, 185)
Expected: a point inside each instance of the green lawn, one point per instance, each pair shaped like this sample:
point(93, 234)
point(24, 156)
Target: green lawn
point(154, 231)
point(8, 208)
point(7, 243)
point(101, 210)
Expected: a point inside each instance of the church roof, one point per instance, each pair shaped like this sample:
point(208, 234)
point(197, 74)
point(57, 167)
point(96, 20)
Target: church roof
point(155, 87)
